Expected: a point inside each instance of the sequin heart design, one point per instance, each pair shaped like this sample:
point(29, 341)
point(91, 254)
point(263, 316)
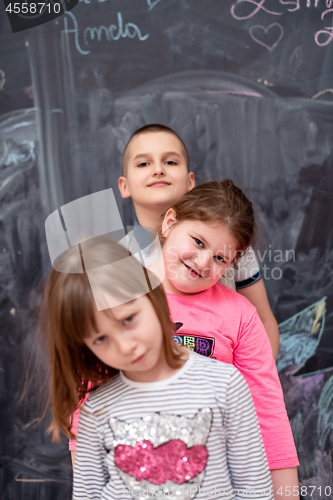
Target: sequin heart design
point(170, 461)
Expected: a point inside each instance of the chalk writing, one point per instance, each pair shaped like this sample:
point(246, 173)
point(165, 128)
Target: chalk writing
point(258, 5)
point(309, 3)
point(75, 31)
point(326, 91)
point(257, 32)
point(110, 33)
point(300, 336)
point(327, 32)
point(2, 79)
point(271, 36)
point(295, 3)
point(26, 153)
point(324, 425)
point(151, 3)
point(296, 58)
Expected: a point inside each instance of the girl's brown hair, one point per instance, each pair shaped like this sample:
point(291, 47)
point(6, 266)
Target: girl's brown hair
point(68, 314)
point(222, 202)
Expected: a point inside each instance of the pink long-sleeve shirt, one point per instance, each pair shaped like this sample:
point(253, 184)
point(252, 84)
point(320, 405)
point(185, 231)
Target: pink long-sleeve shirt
point(222, 324)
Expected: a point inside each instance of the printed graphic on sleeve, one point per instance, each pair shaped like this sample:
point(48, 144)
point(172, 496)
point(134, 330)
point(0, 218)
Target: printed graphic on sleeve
point(161, 453)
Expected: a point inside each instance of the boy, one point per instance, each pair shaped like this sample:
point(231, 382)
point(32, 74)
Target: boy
point(155, 174)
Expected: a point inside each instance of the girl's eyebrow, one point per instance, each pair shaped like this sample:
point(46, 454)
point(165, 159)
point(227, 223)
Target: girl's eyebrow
point(129, 311)
point(93, 334)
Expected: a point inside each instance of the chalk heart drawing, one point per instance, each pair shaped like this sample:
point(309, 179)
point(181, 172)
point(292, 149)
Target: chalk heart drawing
point(151, 3)
point(273, 34)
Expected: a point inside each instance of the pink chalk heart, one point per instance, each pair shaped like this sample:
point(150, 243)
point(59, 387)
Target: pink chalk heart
point(170, 461)
point(268, 37)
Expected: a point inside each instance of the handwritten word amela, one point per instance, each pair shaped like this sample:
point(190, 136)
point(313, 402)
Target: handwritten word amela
point(110, 33)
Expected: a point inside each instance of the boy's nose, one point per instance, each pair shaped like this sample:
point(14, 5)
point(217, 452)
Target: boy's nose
point(159, 168)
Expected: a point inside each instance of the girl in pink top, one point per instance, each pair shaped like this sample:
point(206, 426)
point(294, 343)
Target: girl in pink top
point(203, 234)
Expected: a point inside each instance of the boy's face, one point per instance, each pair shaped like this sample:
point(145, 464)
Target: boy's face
point(157, 173)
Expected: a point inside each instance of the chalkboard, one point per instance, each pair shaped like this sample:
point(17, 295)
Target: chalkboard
point(247, 85)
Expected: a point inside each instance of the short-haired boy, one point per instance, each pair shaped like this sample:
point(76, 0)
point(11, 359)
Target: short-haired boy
point(155, 174)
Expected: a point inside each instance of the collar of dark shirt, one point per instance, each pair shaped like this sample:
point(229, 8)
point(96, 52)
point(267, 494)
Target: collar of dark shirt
point(143, 237)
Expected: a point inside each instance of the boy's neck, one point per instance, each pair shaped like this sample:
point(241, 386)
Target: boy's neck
point(148, 217)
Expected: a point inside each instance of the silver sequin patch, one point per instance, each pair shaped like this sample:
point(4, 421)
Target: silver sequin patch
point(161, 428)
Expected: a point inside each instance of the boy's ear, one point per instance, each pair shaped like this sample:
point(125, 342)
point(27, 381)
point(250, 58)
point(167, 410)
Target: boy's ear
point(122, 185)
point(169, 220)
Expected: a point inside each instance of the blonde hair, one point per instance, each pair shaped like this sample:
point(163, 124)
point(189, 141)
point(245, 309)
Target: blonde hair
point(68, 312)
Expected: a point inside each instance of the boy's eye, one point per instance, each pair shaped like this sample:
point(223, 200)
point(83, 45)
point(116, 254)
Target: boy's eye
point(128, 320)
point(100, 340)
point(198, 242)
point(143, 164)
point(220, 259)
point(171, 162)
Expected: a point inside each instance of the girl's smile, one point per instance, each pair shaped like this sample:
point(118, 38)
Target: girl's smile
point(192, 272)
point(137, 359)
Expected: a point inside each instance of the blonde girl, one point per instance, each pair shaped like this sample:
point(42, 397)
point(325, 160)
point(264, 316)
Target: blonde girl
point(159, 420)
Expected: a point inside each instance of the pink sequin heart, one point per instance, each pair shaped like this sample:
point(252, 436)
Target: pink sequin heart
point(170, 461)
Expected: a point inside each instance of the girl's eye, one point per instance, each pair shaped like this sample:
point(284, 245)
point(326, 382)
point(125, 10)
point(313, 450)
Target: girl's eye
point(143, 164)
point(100, 340)
point(128, 320)
point(220, 259)
point(198, 242)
